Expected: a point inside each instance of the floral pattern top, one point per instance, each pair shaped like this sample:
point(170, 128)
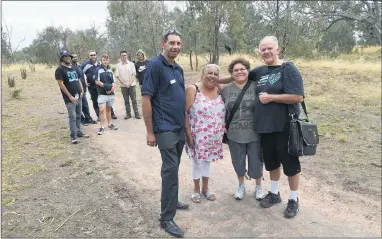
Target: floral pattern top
point(207, 123)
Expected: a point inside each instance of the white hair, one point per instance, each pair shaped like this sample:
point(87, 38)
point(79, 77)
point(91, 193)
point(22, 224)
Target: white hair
point(271, 38)
point(208, 66)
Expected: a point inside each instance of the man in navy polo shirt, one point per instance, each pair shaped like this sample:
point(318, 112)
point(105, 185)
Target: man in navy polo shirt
point(163, 106)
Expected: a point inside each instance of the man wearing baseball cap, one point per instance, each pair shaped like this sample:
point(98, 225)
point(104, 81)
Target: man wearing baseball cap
point(72, 92)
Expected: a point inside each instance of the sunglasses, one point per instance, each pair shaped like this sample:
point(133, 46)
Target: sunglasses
point(171, 32)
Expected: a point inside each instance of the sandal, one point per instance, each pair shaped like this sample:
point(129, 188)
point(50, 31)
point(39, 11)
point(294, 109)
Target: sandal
point(209, 195)
point(195, 197)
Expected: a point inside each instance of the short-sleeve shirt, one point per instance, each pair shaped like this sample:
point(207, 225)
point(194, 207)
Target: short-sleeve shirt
point(241, 129)
point(80, 73)
point(164, 82)
point(71, 81)
point(91, 70)
point(140, 67)
point(106, 77)
point(284, 79)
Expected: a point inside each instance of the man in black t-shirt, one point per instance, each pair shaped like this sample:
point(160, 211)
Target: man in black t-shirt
point(140, 66)
point(72, 92)
point(279, 90)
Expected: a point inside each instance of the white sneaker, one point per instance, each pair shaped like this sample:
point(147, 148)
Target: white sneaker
point(239, 194)
point(259, 193)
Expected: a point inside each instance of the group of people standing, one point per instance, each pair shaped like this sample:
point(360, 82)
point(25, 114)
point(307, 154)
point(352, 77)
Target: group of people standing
point(96, 76)
point(261, 101)
point(251, 113)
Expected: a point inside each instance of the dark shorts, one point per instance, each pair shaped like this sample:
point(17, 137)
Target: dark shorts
point(274, 147)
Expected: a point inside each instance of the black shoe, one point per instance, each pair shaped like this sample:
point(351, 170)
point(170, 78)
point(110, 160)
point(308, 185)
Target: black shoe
point(82, 135)
point(292, 209)
point(112, 127)
point(84, 123)
point(114, 117)
point(137, 116)
point(270, 199)
point(101, 131)
point(90, 121)
point(98, 119)
point(181, 205)
point(74, 140)
point(127, 116)
point(171, 228)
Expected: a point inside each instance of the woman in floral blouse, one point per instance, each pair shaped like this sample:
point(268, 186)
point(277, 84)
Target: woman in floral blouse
point(205, 115)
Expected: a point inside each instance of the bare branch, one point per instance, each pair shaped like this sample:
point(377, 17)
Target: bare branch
point(17, 47)
point(333, 22)
point(366, 2)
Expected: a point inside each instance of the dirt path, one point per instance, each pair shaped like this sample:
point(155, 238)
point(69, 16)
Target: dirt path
point(325, 210)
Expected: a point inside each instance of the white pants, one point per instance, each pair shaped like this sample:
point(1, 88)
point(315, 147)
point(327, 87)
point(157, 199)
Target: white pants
point(200, 169)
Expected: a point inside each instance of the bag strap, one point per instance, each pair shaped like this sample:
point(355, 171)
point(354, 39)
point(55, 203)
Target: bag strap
point(302, 103)
point(237, 103)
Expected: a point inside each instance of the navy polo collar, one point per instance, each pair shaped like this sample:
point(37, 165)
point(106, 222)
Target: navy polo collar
point(164, 60)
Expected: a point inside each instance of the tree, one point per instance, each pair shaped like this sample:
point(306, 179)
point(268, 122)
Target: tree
point(136, 25)
point(365, 14)
point(338, 39)
point(6, 44)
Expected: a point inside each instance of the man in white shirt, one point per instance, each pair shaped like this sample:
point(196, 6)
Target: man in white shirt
point(126, 75)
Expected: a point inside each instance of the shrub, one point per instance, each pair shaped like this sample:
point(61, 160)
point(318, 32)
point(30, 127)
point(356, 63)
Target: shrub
point(23, 73)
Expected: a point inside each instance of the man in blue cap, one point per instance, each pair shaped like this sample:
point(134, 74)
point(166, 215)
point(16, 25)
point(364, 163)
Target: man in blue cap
point(72, 92)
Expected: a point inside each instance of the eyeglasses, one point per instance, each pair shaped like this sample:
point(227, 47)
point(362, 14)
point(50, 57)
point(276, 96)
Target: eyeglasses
point(241, 69)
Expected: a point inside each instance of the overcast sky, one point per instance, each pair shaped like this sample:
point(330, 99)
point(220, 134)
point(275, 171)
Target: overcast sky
point(28, 17)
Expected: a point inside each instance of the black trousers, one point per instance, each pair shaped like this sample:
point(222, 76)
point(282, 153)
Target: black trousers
point(94, 96)
point(85, 116)
point(171, 146)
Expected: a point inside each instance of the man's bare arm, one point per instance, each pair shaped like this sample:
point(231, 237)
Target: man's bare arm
point(81, 87)
point(147, 113)
point(120, 80)
point(99, 83)
point(266, 98)
point(66, 92)
point(225, 80)
point(63, 88)
point(286, 98)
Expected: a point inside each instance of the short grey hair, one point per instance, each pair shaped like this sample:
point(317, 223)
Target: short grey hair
point(208, 66)
point(271, 38)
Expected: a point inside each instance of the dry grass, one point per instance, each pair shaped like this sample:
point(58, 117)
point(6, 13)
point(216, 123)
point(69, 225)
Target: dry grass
point(30, 135)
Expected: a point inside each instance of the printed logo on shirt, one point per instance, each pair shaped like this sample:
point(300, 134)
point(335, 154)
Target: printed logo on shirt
point(141, 68)
point(72, 76)
point(271, 79)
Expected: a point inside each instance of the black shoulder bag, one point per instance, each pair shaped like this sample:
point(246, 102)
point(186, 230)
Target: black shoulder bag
point(234, 109)
point(303, 136)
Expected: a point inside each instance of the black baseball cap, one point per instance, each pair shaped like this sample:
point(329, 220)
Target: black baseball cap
point(65, 53)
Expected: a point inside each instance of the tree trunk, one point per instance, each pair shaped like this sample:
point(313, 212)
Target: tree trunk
point(215, 53)
point(191, 60)
point(196, 62)
point(277, 18)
